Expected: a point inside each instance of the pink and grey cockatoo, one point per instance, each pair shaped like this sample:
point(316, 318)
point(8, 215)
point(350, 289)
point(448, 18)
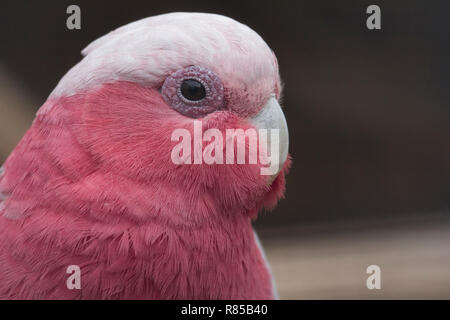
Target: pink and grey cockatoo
point(92, 183)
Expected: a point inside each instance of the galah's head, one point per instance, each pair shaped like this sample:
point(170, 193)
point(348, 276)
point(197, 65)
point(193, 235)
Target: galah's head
point(139, 84)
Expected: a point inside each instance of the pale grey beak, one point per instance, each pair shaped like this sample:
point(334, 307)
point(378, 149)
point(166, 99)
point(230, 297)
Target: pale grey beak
point(272, 117)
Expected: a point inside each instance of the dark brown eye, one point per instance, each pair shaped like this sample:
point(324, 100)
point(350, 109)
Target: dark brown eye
point(193, 90)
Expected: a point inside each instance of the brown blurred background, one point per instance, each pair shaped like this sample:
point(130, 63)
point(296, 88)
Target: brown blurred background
point(369, 120)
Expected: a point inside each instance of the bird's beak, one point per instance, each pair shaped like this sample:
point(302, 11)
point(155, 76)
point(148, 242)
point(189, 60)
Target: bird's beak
point(272, 119)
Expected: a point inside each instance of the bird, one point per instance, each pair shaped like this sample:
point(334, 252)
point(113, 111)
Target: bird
point(93, 183)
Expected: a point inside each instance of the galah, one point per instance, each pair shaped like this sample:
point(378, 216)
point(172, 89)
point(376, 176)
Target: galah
point(92, 184)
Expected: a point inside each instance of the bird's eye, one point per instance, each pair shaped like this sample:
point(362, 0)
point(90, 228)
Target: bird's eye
point(193, 91)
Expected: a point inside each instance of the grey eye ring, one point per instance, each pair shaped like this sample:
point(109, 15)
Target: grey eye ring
point(194, 91)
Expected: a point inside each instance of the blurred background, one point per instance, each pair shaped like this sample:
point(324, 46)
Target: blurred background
point(369, 121)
